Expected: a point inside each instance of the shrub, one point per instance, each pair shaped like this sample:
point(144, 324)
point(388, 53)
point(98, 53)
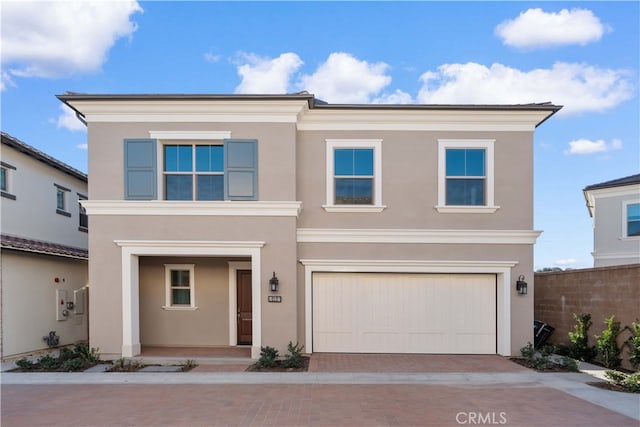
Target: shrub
point(579, 347)
point(528, 352)
point(86, 353)
point(268, 356)
point(608, 350)
point(630, 382)
point(25, 364)
point(634, 344)
point(71, 365)
point(294, 358)
point(189, 364)
point(48, 362)
point(66, 354)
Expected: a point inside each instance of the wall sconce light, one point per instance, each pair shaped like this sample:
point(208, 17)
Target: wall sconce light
point(521, 285)
point(273, 283)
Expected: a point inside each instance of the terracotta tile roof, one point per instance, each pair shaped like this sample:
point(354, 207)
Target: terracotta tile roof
point(39, 246)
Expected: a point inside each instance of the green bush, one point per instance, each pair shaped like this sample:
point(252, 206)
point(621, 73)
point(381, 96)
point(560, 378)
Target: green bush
point(72, 365)
point(294, 358)
point(66, 354)
point(608, 349)
point(48, 363)
point(25, 364)
point(88, 354)
point(634, 344)
point(268, 356)
point(579, 347)
point(630, 382)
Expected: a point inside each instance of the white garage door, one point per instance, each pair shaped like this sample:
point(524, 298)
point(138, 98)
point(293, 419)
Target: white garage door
point(404, 313)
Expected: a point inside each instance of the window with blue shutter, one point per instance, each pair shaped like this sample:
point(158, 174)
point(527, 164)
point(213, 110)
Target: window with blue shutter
point(140, 171)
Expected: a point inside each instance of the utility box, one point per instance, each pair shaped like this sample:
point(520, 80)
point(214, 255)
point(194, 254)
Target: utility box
point(79, 299)
point(62, 313)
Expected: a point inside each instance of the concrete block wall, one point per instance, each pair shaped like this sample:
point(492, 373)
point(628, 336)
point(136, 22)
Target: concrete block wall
point(601, 292)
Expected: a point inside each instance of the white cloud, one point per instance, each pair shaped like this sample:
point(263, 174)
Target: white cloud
point(5, 81)
point(397, 97)
point(82, 147)
point(586, 146)
point(210, 57)
point(566, 262)
point(266, 75)
point(68, 120)
point(57, 38)
point(536, 28)
point(342, 78)
point(579, 87)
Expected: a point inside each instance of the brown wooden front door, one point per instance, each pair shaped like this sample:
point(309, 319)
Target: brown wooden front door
point(244, 306)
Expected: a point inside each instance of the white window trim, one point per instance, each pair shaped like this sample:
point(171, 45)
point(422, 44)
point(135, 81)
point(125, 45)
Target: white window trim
point(626, 203)
point(443, 145)
point(8, 174)
point(168, 268)
point(376, 145)
point(177, 137)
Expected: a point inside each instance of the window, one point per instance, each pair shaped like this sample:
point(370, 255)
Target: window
point(6, 177)
point(632, 219)
point(354, 176)
point(465, 176)
point(179, 286)
point(193, 172)
point(61, 200)
point(83, 218)
point(225, 170)
point(465, 170)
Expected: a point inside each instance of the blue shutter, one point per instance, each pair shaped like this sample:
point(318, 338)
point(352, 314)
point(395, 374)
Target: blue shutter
point(241, 169)
point(140, 172)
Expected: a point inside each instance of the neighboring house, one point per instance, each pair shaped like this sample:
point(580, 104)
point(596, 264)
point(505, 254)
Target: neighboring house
point(615, 208)
point(389, 228)
point(44, 250)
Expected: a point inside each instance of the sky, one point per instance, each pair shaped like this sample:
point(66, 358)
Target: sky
point(582, 55)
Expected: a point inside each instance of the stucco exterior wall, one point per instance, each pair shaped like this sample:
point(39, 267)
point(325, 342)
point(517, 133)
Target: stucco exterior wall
point(601, 292)
point(410, 182)
point(29, 301)
point(610, 243)
point(33, 214)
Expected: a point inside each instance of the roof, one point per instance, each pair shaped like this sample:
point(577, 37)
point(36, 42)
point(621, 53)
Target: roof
point(619, 182)
point(313, 102)
point(42, 247)
point(42, 157)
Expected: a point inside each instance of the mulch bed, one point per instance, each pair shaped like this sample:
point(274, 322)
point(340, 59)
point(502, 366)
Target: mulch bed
point(609, 386)
point(280, 368)
point(527, 364)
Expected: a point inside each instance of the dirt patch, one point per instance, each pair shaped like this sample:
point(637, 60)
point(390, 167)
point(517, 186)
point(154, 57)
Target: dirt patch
point(279, 367)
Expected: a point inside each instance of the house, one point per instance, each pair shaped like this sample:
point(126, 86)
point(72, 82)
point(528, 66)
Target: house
point(44, 250)
point(615, 208)
point(230, 220)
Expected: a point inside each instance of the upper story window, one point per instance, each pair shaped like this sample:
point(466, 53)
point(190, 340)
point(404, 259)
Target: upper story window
point(193, 172)
point(83, 218)
point(465, 176)
point(62, 194)
point(354, 176)
point(632, 220)
point(180, 286)
point(224, 170)
point(6, 178)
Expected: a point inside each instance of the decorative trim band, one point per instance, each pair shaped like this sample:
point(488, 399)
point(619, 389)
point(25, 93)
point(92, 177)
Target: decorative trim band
point(333, 235)
point(189, 134)
point(467, 209)
point(407, 266)
point(164, 207)
point(193, 244)
point(353, 208)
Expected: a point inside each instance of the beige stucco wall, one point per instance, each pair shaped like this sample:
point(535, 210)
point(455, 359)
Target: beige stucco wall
point(206, 326)
point(611, 246)
point(29, 301)
point(105, 272)
point(276, 154)
point(33, 214)
point(410, 182)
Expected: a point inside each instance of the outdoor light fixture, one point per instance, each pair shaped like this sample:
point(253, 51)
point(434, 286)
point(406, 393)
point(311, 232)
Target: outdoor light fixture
point(273, 283)
point(521, 285)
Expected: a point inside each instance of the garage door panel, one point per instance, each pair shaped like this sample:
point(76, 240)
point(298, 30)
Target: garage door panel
point(404, 313)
